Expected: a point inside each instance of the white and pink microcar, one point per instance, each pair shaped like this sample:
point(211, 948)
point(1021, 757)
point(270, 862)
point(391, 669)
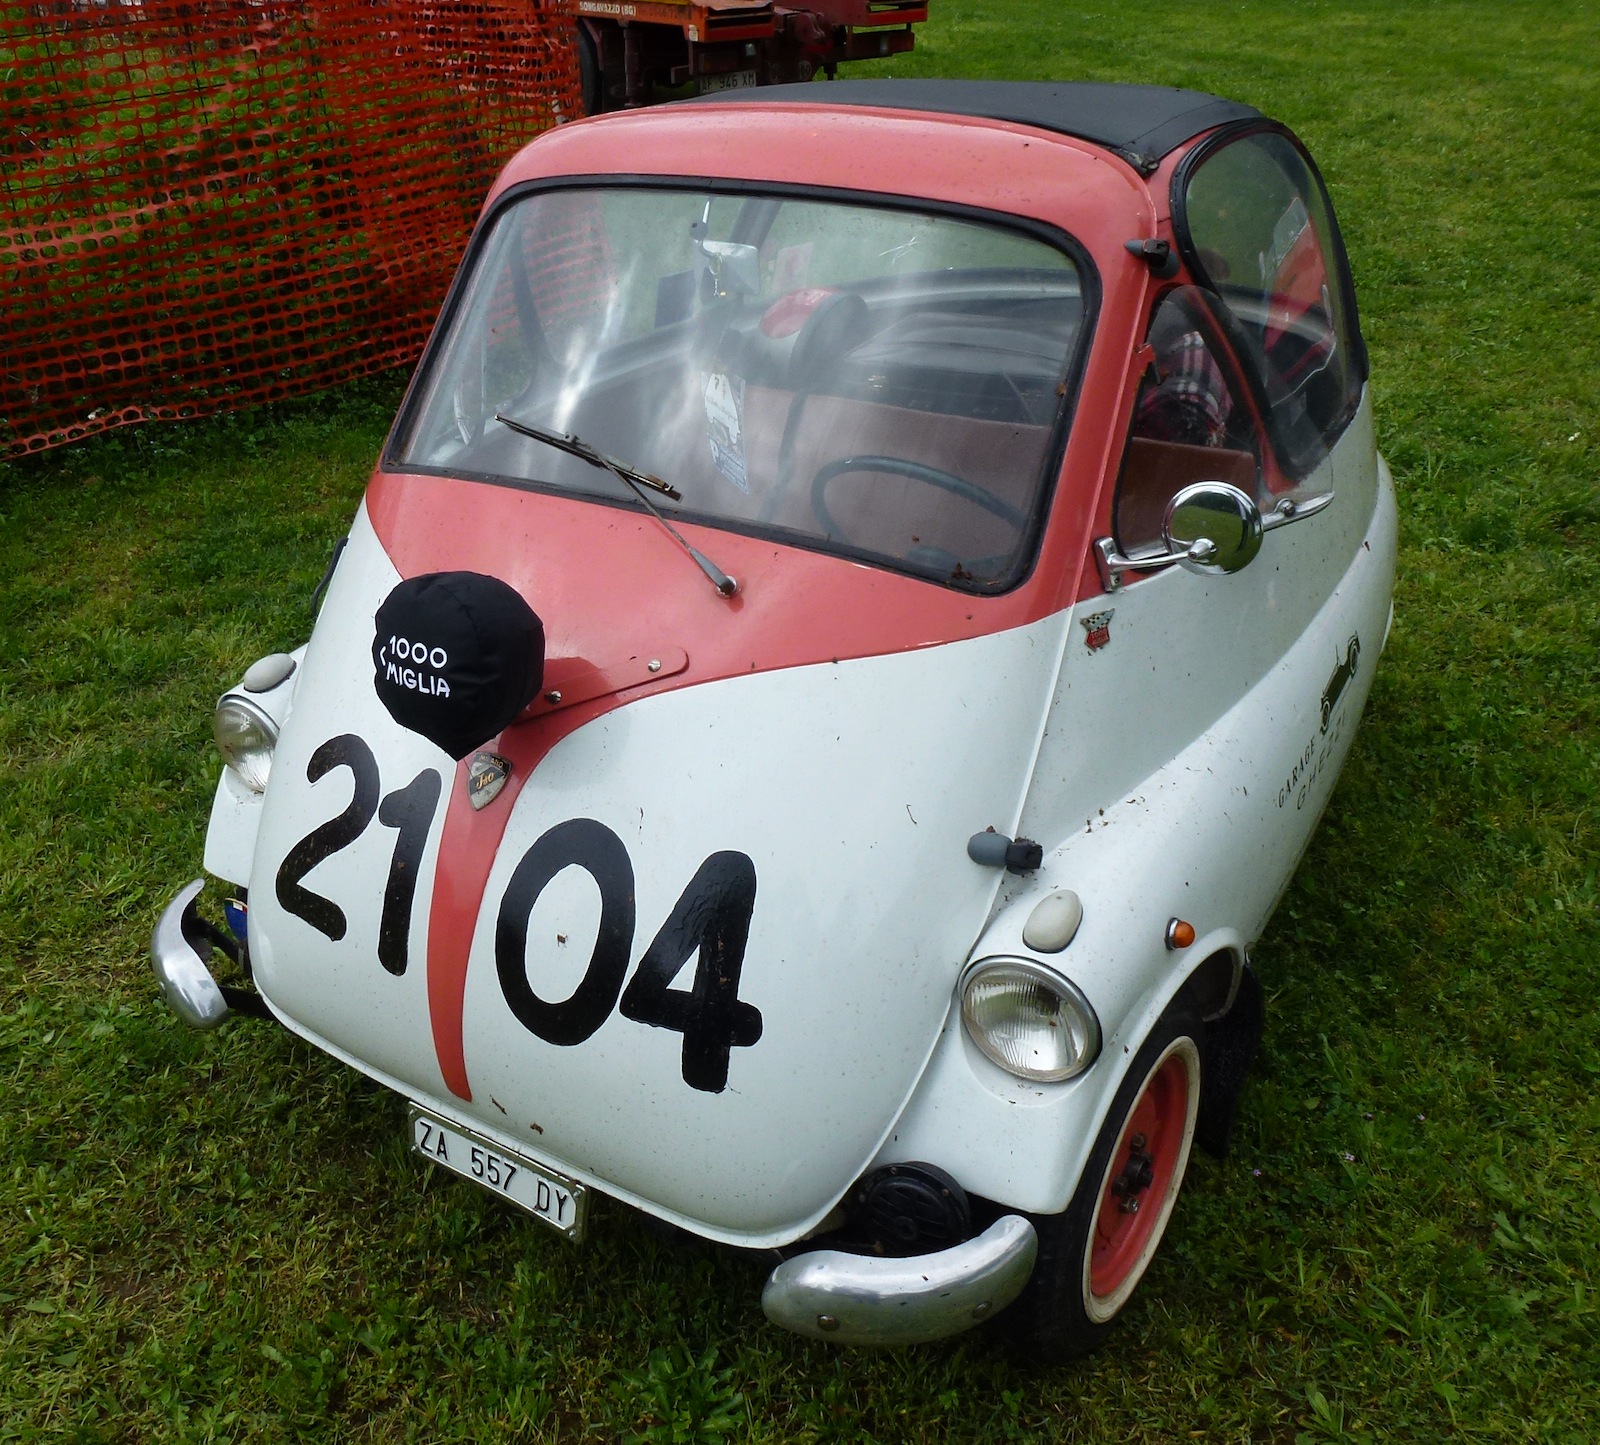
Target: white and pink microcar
point(858, 617)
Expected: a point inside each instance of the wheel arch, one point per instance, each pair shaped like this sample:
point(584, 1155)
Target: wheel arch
point(1024, 1146)
point(1210, 988)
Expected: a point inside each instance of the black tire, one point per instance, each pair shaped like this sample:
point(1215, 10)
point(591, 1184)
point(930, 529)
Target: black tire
point(591, 78)
point(1076, 1294)
point(1231, 1045)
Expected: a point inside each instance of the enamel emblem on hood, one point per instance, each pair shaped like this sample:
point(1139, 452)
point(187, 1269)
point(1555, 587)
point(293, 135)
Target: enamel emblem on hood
point(486, 775)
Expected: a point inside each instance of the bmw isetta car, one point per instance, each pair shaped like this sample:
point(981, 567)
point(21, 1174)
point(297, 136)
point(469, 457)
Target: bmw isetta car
point(857, 619)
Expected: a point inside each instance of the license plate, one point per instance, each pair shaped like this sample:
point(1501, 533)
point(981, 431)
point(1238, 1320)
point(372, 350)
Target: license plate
point(731, 80)
point(543, 1193)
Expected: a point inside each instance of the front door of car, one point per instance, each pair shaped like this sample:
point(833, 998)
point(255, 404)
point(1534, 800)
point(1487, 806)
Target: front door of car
point(1173, 645)
point(1252, 379)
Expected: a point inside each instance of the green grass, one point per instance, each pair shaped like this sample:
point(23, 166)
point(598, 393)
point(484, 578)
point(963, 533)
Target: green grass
point(222, 1236)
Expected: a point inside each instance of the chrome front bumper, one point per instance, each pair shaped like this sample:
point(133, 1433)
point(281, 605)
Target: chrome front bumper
point(175, 952)
point(853, 1299)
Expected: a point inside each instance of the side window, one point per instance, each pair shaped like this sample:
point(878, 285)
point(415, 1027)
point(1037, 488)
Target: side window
point(1257, 228)
point(1193, 422)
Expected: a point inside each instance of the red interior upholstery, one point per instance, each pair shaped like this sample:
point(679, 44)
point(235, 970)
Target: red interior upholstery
point(882, 511)
point(1154, 471)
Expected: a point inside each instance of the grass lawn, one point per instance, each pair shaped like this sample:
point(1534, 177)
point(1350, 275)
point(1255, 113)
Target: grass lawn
point(223, 1237)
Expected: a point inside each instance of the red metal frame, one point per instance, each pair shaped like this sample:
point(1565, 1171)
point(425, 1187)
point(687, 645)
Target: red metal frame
point(867, 13)
point(703, 21)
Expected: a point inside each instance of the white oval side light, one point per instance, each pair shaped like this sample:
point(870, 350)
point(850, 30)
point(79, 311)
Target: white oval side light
point(268, 672)
point(1053, 924)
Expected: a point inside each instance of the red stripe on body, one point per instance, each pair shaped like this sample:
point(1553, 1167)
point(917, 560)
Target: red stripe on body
point(466, 854)
point(472, 837)
point(467, 850)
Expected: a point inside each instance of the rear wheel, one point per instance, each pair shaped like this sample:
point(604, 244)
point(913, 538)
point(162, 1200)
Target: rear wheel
point(591, 77)
point(1092, 1256)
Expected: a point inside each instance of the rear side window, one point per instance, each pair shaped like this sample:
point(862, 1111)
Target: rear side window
point(1256, 227)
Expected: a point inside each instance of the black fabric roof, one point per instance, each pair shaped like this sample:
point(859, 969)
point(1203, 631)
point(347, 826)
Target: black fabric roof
point(1142, 123)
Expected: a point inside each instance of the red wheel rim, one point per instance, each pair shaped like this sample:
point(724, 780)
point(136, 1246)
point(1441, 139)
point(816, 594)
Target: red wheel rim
point(1141, 1174)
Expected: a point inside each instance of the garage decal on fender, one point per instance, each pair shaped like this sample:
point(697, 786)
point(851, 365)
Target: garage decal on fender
point(1341, 678)
point(486, 776)
point(1319, 750)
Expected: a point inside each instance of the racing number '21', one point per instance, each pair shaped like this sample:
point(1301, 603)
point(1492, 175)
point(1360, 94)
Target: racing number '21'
point(410, 809)
point(711, 919)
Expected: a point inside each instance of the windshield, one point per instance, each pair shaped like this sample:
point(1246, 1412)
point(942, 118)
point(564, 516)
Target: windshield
point(880, 382)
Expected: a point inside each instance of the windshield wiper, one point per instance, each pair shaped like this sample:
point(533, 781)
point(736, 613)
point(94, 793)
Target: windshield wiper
point(577, 447)
point(634, 479)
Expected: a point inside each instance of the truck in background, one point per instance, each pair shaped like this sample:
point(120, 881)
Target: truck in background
point(635, 51)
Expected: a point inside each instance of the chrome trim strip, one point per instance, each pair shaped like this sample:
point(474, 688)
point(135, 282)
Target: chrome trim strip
point(852, 1299)
point(1234, 981)
point(186, 983)
point(1113, 564)
point(1289, 510)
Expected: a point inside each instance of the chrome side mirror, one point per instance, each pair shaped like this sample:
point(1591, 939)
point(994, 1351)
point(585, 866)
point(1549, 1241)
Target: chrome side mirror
point(1209, 527)
point(1212, 527)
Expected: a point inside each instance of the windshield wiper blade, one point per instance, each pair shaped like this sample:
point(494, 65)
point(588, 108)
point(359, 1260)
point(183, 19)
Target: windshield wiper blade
point(577, 447)
point(634, 479)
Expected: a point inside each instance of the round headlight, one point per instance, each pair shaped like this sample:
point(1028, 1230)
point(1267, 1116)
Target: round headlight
point(1028, 1019)
point(245, 737)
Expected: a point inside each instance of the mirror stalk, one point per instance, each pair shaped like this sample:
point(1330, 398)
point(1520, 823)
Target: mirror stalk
point(1201, 505)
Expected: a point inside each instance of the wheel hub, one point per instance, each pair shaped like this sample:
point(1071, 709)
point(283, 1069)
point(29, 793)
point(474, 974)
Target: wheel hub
point(1138, 1174)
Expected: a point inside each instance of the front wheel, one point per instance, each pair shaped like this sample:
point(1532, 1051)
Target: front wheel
point(1092, 1256)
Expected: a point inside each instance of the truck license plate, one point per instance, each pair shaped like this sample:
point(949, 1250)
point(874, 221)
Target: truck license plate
point(730, 80)
point(543, 1193)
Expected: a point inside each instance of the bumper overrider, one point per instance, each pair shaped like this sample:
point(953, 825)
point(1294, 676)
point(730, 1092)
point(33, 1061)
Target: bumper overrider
point(846, 1299)
point(853, 1299)
point(180, 949)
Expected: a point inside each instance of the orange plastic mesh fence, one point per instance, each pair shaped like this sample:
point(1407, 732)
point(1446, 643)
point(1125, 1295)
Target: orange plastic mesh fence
point(210, 203)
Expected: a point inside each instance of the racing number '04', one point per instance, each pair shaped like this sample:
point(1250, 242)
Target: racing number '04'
point(711, 918)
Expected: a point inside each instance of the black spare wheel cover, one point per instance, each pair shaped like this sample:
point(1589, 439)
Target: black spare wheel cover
point(456, 656)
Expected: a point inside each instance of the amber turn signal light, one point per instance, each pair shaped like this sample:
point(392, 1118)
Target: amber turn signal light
point(1179, 933)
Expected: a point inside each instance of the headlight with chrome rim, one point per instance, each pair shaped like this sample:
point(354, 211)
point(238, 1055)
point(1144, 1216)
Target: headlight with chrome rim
point(1028, 1019)
point(245, 736)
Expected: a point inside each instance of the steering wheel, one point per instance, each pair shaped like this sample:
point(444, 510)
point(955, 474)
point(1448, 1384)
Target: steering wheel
point(917, 472)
